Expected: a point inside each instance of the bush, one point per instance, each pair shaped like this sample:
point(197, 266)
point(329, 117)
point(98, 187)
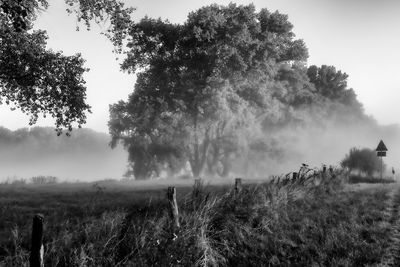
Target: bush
point(44, 179)
point(15, 181)
point(364, 160)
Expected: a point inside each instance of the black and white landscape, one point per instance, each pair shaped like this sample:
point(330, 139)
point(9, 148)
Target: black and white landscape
point(199, 133)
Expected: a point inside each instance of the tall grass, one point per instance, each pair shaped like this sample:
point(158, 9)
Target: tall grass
point(355, 179)
point(285, 222)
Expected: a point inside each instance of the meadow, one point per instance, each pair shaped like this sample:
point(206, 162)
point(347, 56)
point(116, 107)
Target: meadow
point(313, 220)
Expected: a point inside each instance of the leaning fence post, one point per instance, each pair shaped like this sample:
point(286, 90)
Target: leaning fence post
point(238, 185)
point(37, 249)
point(173, 206)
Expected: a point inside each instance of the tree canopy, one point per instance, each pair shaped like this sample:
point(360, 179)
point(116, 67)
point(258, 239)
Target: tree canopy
point(209, 90)
point(37, 80)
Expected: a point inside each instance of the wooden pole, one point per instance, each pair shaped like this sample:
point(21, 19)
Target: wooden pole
point(37, 249)
point(196, 188)
point(173, 206)
point(323, 175)
point(238, 185)
point(381, 168)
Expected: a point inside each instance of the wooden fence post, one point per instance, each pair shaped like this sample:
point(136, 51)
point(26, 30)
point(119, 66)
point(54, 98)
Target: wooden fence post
point(196, 188)
point(324, 169)
point(37, 249)
point(238, 185)
point(173, 206)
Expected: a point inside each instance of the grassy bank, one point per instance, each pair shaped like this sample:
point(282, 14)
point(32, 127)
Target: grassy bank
point(302, 223)
point(356, 179)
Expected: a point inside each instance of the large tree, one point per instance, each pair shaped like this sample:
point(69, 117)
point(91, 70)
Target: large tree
point(201, 85)
point(37, 80)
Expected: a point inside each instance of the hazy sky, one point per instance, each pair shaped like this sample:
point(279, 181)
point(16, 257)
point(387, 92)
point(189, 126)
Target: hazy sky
point(359, 37)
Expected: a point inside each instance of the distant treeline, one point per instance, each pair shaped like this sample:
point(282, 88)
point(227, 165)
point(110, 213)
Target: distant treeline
point(39, 151)
point(46, 139)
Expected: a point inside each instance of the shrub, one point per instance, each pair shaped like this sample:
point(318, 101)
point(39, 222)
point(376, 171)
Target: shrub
point(364, 160)
point(44, 180)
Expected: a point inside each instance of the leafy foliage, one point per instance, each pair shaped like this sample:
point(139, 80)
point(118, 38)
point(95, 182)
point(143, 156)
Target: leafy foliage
point(37, 80)
point(112, 11)
point(212, 91)
point(332, 84)
point(201, 85)
point(19, 14)
point(40, 81)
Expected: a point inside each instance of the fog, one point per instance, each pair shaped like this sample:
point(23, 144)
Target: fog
point(328, 144)
point(84, 156)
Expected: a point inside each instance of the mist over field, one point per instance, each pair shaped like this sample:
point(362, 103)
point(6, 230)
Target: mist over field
point(84, 156)
point(328, 144)
point(227, 93)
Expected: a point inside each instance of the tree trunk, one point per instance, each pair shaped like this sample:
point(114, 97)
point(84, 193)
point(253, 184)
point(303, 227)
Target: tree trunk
point(212, 160)
point(196, 170)
point(226, 166)
point(199, 157)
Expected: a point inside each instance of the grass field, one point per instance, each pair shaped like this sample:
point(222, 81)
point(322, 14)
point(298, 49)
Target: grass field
point(279, 224)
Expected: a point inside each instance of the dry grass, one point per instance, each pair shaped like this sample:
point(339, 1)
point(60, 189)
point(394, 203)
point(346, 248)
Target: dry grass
point(306, 222)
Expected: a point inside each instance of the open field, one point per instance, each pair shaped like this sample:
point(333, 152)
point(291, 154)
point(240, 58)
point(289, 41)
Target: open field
point(280, 224)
